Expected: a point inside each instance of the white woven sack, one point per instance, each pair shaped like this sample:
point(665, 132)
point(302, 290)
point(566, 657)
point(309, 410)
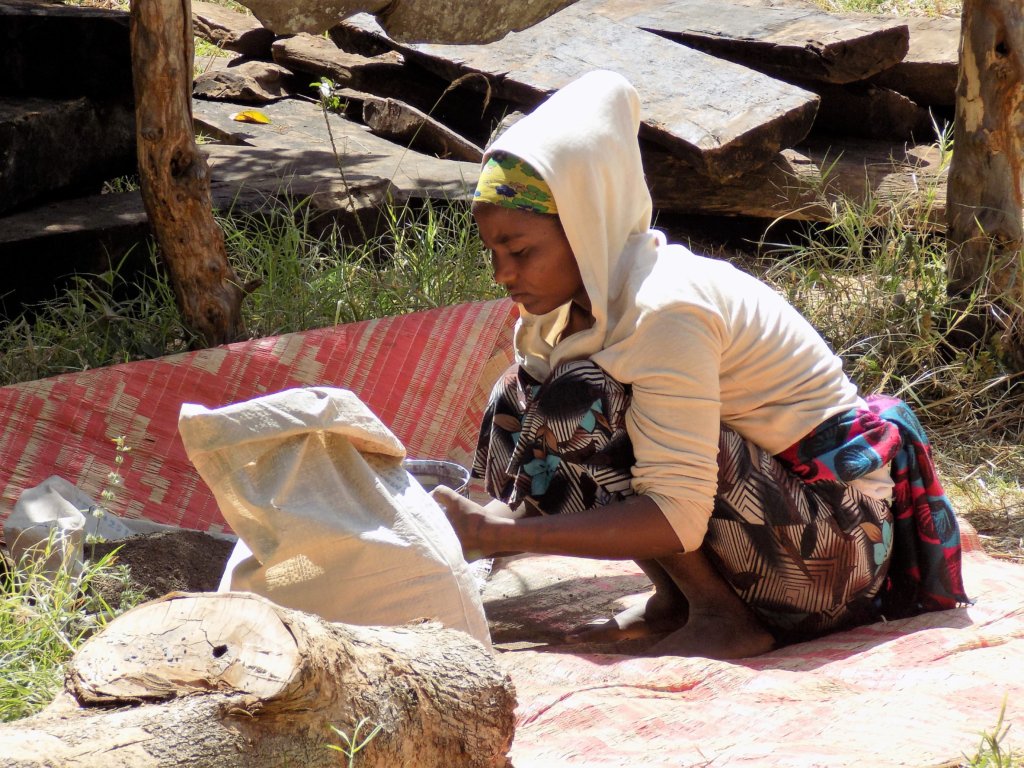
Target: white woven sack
point(312, 482)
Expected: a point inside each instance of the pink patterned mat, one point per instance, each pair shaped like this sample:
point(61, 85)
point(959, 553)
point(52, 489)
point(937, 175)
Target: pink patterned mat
point(426, 375)
point(916, 692)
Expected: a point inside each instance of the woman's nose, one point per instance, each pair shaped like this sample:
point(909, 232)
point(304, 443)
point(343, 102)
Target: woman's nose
point(502, 269)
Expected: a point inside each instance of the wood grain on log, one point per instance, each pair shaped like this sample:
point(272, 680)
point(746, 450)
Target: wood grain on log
point(722, 118)
point(173, 173)
point(789, 42)
point(233, 680)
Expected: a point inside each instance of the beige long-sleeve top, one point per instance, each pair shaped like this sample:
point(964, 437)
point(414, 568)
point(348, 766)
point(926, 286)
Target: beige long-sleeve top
point(701, 343)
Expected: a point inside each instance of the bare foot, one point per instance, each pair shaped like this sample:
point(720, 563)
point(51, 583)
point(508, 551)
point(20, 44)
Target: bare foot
point(664, 611)
point(717, 636)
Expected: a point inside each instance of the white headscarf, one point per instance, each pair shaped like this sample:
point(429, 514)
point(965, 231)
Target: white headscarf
point(583, 142)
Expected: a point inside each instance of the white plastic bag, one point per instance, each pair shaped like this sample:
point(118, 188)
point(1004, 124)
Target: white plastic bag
point(52, 520)
point(328, 520)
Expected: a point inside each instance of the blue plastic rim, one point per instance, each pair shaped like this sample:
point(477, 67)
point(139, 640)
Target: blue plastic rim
point(431, 473)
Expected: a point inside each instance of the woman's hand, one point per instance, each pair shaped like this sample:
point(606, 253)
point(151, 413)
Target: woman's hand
point(478, 531)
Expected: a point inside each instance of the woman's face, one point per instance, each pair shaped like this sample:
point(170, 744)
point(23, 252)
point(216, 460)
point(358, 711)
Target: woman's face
point(531, 257)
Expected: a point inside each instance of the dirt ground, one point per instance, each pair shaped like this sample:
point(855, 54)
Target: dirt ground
point(172, 561)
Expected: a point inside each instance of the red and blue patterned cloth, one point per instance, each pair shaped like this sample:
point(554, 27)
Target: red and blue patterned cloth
point(924, 574)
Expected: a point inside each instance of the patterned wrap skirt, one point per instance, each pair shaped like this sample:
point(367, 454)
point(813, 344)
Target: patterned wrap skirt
point(807, 559)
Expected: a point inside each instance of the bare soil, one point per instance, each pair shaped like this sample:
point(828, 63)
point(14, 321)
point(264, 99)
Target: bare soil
point(171, 561)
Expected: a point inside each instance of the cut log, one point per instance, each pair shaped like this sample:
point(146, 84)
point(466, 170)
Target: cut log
point(231, 30)
point(391, 119)
point(63, 145)
point(44, 49)
point(986, 231)
point(249, 82)
point(174, 176)
point(727, 120)
point(788, 42)
point(233, 680)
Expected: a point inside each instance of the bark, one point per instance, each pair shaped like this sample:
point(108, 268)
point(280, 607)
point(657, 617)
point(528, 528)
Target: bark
point(175, 179)
point(235, 680)
point(984, 192)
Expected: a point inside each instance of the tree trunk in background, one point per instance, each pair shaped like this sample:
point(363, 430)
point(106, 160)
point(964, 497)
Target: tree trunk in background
point(233, 680)
point(984, 192)
point(174, 175)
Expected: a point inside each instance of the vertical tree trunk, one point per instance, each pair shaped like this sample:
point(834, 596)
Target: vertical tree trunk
point(984, 193)
point(174, 175)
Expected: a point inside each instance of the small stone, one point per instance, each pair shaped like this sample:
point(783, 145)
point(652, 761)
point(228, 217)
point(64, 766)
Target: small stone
point(250, 82)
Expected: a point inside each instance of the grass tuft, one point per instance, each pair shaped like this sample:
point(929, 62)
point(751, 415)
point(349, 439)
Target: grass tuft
point(44, 617)
point(307, 277)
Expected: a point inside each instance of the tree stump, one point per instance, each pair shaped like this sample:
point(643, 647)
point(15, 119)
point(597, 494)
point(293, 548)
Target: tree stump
point(233, 680)
point(174, 177)
point(984, 191)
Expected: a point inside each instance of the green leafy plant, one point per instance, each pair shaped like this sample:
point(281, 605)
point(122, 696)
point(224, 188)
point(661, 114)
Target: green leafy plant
point(992, 753)
point(354, 744)
point(45, 616)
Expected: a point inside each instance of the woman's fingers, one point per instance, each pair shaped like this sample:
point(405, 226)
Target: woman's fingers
point(466, 517)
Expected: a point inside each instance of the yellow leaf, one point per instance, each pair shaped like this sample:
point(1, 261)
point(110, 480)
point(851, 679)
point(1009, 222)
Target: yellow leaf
point(250, 116)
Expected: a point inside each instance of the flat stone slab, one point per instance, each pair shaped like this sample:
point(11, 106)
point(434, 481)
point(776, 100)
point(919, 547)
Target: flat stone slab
point(49, 145)
point(231, 30)
point(801, 183)
point(722, 118)
point(292, 157)
point(249, 82)
point(928, 72)
point(61, 51)
point(441, 21)
point(791, 42)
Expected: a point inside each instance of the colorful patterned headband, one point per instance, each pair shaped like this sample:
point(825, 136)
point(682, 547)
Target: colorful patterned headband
point(507, 181)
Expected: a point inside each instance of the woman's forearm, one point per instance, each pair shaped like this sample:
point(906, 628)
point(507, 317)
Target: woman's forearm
point(633, 529)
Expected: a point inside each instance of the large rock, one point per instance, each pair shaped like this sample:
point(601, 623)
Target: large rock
point(790, 42)
point(722, 118)
point(63, 50)
point(433, 21)
point(248, 82)
point(928, 73)
point(231, 30)
point(68, 144)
